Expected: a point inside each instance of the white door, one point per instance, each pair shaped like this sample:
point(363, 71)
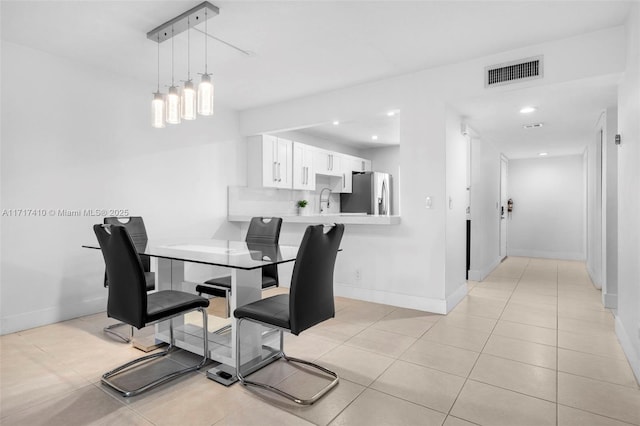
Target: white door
point(503, 208)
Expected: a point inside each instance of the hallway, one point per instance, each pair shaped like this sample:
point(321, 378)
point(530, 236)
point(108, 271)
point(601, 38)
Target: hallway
point(552, 340)
point(530, 345)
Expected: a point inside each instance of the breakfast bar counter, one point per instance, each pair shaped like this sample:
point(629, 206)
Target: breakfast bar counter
point(345, 218)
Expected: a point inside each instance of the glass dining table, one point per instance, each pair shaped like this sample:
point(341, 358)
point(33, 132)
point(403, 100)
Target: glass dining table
point(244, 261)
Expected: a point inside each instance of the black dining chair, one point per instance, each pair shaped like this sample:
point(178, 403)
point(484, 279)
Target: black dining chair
point(138, 232)
point(261, 231)
point(130, 303)
point(309, 302)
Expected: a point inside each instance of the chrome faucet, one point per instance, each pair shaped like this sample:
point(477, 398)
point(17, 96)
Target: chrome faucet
point(327, 200)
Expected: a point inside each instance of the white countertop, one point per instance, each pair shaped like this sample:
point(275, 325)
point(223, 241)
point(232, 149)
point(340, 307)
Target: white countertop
point(345, 218)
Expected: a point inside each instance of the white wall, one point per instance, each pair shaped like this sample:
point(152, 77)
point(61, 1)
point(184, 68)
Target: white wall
point(456, 205)
point(628, 314)
point(594, 162)
point(76, 138)
point(405, 265)
point(485, 211)
point(547, 217)
point(603, 263)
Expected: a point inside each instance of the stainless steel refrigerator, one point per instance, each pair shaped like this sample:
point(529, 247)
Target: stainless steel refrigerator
point(371, 194)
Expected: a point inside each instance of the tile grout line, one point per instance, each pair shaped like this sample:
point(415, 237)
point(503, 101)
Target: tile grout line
point(384, 371)
point(485, 343)
point(557, 345)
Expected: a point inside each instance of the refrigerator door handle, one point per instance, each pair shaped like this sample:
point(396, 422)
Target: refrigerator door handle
point(384, 202)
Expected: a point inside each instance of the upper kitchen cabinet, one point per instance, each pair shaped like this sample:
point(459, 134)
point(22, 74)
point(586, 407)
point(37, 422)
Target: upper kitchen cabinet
point(304, 175)
point(327, 162)
point(270, 162)
point(360, 165)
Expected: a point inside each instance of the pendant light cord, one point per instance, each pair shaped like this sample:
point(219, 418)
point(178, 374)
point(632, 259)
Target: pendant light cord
point(188, 49)
point(206, 32)
point(158, 91)
point(172, 37)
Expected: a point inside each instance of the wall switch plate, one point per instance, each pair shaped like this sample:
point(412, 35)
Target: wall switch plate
point(428, 202)
point(358, 274)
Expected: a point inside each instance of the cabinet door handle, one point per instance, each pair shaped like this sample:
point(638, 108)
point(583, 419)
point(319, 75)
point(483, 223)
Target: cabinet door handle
point(344, 181)
point(332, 162)
point(275, 173)
point(307, 175)
point(279, 172)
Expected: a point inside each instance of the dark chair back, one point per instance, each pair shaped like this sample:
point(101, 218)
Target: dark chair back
point(127, 287)
point(311, 293)
point(137, 231)
point(262, 232)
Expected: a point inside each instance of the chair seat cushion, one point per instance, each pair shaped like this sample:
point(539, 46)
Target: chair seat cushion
point(226, 282)
point(167, 303)
point(150, 278)
point(220, 281)
point(273, 310)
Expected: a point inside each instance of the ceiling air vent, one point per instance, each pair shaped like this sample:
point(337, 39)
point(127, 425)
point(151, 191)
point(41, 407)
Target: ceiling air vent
point(513, 72)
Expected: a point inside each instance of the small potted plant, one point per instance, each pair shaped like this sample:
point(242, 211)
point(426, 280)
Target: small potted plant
point(301, 206)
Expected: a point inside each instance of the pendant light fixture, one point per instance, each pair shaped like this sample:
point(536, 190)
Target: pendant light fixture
point(173, 97)
point(188, 95)
point(186, 102)
point(157, 104)
point(205, 88)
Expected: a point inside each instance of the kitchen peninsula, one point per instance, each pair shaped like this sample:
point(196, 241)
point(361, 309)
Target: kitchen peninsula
point(246, 202)
point(345, 218)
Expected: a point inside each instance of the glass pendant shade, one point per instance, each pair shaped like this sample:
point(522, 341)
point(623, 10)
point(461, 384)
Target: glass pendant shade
point(205, 95)
point(157, 111)
point(173, 106)
point(188, 101)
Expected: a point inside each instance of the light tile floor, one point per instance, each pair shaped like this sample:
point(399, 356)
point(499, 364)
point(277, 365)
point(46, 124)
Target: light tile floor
point(531, 345)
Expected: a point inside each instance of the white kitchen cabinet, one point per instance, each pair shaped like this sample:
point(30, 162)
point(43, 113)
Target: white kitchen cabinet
point(270, 162)
point(275, 162)
point(361, 165)
point(304, 175)
point(327, 163)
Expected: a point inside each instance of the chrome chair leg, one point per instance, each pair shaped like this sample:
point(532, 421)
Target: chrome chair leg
point(226, 328)
point(106, 378)
point(273, 389)
point(110, 330)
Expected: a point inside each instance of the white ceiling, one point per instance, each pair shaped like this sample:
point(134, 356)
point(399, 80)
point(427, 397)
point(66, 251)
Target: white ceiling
point(359, 132)
point(568, 111)
point(301, 47)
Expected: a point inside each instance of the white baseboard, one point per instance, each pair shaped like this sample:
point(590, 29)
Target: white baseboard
point(481, 274)
point(610, 300)
point(27, 320)
point(438, 306)
point(457, 296)
point(633, 356)
point(547, 254)
point(595, 280)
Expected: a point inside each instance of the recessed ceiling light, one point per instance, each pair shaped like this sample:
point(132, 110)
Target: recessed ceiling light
point(528, 110)
point(336, 122)
point(543, 154)
point(374, 137)
point(391, 113)
point(532, 126)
